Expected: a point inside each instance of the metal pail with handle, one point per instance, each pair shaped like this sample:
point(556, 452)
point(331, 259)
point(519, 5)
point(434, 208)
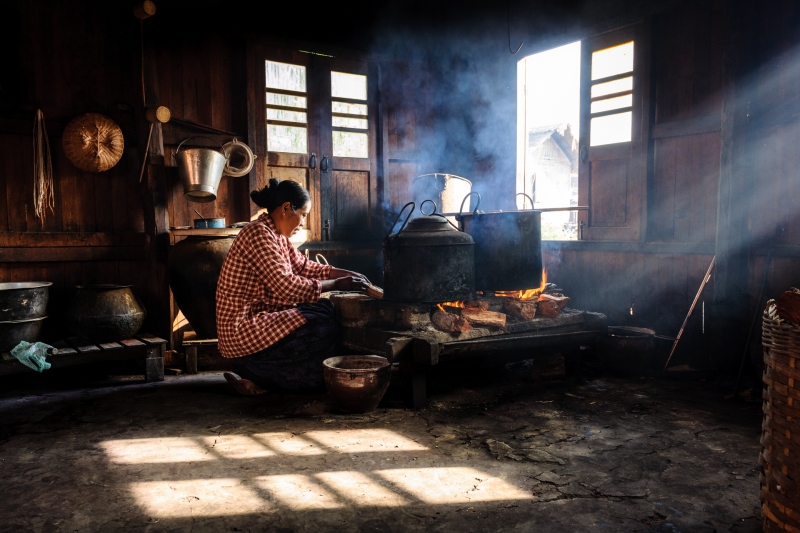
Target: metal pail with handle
point(200, 170)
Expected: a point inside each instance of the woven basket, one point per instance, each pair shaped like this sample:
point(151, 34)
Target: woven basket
point(93, 142)
point(780, 438)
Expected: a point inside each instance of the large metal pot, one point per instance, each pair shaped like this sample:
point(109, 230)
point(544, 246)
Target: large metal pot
point(105, 313)
point(428, 260)
point(508, 248)
point(357, 383)
point(14, 331)
point(193, 270)
point(23, 300)
point(446, 190)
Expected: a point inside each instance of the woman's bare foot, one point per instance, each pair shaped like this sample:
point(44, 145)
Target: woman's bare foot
point(245, 387)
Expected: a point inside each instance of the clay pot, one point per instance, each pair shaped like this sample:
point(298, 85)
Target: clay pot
point(105, 313)
point(357, 383)
point(193, 270)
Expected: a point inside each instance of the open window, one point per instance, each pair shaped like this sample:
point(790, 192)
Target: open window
point(582, 135)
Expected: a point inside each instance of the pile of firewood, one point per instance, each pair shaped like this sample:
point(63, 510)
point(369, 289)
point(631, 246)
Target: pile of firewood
point(471, 313)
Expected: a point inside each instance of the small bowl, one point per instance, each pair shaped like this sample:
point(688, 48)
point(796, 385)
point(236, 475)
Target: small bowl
point(357, 383)
point(209, 223)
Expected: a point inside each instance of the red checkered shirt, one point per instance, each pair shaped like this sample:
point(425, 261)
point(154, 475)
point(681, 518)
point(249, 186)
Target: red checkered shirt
point(263, 278)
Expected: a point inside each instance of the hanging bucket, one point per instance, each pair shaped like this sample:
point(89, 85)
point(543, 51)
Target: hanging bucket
point(200, 170)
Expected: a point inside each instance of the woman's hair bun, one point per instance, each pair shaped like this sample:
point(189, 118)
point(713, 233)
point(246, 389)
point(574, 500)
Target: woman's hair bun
point(276, 192)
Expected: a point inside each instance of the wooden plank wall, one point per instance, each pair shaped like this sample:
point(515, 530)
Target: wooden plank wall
point(75, 58)
point(72, 59)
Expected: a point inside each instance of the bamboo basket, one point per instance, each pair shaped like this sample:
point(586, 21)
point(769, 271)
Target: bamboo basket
point(780, 438)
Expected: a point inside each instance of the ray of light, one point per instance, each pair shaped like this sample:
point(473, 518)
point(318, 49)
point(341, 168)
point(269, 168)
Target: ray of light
point(289, 444)
point(237, 447)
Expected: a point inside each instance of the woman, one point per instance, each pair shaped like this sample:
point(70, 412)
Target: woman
point(270, 317)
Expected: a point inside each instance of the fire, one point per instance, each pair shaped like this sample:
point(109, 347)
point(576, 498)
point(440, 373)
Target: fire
point(526, 294)
point(459, 303)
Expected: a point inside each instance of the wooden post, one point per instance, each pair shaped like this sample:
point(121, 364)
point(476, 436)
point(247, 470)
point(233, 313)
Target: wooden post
point(729, 316)
point(154, 200)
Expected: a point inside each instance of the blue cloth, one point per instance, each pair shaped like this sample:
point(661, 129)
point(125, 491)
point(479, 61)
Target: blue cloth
point(32, 355)
point(295, 361)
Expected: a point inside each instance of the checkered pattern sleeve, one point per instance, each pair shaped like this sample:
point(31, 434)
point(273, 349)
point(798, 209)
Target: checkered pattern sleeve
point(266, 255)
point(304, 266)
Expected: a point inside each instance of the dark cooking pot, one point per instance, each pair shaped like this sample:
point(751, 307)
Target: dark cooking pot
point(508, 248)
point(428, 260)
point(14, 331)
point(105, 313)
point(23, 300)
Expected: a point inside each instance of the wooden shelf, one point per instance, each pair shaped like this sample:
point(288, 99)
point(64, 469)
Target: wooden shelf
point(212, 232)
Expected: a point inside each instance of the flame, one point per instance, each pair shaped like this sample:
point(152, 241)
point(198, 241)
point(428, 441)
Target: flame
point(459, 303)
point(526, 294)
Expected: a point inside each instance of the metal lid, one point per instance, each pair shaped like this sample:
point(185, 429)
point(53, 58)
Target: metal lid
point(430, 230)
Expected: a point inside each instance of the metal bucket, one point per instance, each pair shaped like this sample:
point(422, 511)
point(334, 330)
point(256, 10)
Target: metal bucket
point(200, 170)
point(445, 190)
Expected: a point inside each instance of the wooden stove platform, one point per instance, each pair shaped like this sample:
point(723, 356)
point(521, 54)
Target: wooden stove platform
point(423, 347)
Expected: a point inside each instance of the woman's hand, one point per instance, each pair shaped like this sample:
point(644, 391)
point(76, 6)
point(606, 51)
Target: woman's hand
point(338, 273)
point(351, 283)
point(345, 283)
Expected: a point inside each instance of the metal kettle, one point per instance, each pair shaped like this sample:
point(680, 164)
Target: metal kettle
point(428, 261)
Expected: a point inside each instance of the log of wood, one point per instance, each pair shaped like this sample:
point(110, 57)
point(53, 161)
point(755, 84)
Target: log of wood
point(477, 304)
point(450, 323)
point(484, 318)
point(551, 305)
point(524, 309)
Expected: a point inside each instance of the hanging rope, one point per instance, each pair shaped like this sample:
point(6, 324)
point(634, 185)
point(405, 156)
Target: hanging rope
point(42, 170)
point(513, 52)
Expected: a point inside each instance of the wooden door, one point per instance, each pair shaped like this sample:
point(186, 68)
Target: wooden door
point(291, 132)
point(348, 149)
point(614, 134)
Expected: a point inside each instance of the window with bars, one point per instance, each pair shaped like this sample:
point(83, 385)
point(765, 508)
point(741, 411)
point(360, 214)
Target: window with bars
point(349, 120)
point(611, 92)
point(287, 104)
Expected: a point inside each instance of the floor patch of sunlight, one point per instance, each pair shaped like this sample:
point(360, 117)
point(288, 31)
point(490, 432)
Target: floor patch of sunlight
point(237, 447)
point(360, 489)
point(298, 492)
point(364, 440)
point(198, 497)
point(452, 485)
point(288, 443)
point(155, 450)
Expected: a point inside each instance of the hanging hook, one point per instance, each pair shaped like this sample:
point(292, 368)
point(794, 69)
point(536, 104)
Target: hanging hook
point(513, 52)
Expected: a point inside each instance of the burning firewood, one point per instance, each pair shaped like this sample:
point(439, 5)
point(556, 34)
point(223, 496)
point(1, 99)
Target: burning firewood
point(551, 305)
point(450, 323)
point(524, 309)
point(477, 304)
point(484, 318)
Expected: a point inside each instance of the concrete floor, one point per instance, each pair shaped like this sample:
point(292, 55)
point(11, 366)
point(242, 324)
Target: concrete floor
point(494, 452)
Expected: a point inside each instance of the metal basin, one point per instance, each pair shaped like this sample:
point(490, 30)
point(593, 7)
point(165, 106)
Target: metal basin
point(14, 331)
point(627, 351)
point(23, 300)
point(357, 383)
point(105, 313)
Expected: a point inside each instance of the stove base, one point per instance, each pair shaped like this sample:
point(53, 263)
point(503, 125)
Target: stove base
point(417, 350)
